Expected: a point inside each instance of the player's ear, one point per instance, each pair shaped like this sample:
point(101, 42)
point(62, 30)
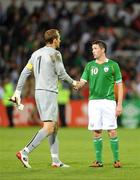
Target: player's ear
point(103, 50)
point(55, 41)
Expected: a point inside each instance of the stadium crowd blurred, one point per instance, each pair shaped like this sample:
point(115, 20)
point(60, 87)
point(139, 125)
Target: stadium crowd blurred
point(116, 22)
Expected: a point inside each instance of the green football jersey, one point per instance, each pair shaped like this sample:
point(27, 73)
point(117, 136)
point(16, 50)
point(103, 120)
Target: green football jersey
point(101, 78)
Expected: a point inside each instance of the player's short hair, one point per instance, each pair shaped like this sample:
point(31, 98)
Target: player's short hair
point(50, 35)
point(101, 43)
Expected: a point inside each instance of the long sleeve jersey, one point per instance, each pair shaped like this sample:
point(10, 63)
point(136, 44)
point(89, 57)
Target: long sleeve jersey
point(47, 65)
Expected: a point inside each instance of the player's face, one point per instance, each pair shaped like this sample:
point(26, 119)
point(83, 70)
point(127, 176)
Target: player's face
point(97, 51)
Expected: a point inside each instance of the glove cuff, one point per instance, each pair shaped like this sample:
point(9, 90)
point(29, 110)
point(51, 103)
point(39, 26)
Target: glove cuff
point(74, 83)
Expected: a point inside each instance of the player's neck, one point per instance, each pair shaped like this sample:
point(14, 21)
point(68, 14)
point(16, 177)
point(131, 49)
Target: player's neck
point(101, 60)
point(51, 45)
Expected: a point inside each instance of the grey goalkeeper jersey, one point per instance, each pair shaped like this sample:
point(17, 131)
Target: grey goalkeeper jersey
point(47, 65)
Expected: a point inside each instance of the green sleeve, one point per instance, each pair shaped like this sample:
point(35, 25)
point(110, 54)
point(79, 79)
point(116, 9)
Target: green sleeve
point(117, 73)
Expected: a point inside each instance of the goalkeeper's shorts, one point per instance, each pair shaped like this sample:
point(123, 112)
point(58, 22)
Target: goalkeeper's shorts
point(47, 106)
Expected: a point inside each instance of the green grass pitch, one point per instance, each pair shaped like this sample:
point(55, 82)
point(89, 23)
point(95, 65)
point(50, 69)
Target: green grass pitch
point(75, 149)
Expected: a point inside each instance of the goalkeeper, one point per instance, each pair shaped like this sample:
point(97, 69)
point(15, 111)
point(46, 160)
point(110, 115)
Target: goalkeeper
point(47, 65)
point(103, 110)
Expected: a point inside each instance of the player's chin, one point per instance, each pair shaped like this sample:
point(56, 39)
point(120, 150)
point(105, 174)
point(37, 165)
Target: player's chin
point(94, 56)
point(58, 46)
point(118, 114)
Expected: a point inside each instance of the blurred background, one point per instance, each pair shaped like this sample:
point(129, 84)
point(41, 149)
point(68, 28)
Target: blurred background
point(22, 25)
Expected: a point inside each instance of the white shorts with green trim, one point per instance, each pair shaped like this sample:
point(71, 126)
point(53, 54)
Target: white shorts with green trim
point(102, 114)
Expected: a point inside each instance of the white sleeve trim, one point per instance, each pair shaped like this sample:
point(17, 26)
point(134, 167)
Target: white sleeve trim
point(119, 81)
point(83, 80)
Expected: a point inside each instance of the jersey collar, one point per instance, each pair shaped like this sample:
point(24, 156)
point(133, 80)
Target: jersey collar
point(106, 60)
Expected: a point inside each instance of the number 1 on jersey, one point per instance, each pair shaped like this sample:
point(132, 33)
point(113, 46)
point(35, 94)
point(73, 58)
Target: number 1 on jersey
point(39, 62)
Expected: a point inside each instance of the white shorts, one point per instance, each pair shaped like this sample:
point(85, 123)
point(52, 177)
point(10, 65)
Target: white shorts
point(102, 114)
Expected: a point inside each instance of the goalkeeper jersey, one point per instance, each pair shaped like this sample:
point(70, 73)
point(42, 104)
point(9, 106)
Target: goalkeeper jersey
point(101, 78)
point(47, 65)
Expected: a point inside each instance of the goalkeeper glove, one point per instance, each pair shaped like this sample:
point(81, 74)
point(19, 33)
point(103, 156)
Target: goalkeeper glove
point(16, 97)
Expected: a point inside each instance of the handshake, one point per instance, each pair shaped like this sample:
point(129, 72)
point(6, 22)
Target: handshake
point(78, 84)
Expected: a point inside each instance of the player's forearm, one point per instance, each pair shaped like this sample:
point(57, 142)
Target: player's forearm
point(65, 77)
point(120, 94)
point(23, 76)
point(61, 72)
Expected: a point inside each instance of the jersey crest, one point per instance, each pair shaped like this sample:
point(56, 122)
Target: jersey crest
point(106, 69)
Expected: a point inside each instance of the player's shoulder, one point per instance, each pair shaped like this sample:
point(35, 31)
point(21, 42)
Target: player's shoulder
point(112, 62)
point(90, 63)
point(38, 51)
point(57, 53)
point(53, 52)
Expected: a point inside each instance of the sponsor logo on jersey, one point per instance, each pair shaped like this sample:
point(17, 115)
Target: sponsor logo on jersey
point(106, 69)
